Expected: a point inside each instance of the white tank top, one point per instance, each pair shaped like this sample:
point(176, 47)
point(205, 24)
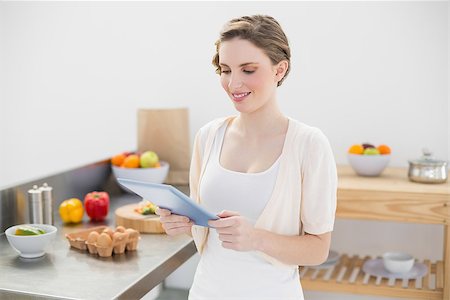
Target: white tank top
point(229, 274)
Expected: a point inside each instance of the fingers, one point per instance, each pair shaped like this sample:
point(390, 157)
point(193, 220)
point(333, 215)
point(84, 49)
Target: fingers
point(228, 238)
point(227, 230)
point(227, 213)
point(228, 245)
point(166, 215)
point(225, 222)
point(162, 212)
point(177, 228)
point(173, 224)
point(227, 218)
point(174, 219)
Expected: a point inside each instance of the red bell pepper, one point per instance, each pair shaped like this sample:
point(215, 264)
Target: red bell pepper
point(97, 205)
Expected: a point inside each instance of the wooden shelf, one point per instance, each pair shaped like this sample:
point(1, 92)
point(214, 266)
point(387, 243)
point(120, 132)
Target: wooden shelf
point(389, 197)
point(347, 277)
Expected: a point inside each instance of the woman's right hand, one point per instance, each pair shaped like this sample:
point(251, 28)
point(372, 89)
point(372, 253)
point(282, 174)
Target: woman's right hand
point(174, 224)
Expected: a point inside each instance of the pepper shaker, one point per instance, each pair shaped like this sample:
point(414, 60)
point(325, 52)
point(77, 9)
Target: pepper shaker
point(35, 205)
point(47, 203)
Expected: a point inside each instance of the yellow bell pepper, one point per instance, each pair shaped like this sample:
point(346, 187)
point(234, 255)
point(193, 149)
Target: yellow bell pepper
point(71, 210)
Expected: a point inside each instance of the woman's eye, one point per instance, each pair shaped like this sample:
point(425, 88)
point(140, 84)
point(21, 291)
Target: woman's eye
point(249, 71)
point(226, 71)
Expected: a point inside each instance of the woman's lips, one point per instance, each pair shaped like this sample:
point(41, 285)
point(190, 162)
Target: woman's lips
point(238, 97)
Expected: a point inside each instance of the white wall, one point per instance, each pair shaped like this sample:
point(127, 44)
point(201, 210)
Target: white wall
point(73, 75)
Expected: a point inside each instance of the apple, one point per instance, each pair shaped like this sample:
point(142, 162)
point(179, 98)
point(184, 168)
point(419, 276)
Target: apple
point(149, 159)
point(371, 151)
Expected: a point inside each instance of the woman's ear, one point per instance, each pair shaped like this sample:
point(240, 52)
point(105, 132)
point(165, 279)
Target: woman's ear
point(281, 69)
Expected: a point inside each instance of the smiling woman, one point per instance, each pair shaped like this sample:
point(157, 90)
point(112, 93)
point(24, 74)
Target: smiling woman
point(73, 75)
point(270, 179)
point(272, 41)
point(254, 78)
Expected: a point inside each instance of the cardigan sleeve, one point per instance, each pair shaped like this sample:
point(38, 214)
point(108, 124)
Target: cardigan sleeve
point(203, 134)
point(194, 171)
point(319, 185)
point(197, 159)
point(199, 233)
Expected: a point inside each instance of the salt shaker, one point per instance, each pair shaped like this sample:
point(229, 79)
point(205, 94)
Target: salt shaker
point(35, 205)
point(47, 203)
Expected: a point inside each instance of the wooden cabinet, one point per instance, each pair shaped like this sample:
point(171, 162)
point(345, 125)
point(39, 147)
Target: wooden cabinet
point(390, 197)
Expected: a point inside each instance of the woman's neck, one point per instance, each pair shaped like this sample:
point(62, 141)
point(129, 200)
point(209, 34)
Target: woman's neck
point(266, 121)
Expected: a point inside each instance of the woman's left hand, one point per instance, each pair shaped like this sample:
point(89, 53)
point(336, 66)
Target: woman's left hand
point(235, 231)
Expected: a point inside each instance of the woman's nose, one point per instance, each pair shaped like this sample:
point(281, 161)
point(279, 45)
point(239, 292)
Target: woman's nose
point(235, 82)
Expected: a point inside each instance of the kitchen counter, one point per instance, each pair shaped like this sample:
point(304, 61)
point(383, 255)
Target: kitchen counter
point(67, 273)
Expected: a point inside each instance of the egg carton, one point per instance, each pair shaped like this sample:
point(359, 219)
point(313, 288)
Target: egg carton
point(104, 241)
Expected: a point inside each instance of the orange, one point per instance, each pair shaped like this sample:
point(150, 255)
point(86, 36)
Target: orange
point(384, 149)
point(117, 160)
point(131, 161)
point(356, 149)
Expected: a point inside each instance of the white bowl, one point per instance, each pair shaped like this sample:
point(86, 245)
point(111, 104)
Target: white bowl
point(368, 165)
point(153, 175)
point(398, 262)
point(30, 246)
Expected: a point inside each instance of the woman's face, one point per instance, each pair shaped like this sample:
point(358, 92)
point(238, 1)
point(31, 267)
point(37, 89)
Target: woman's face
point(247, 75)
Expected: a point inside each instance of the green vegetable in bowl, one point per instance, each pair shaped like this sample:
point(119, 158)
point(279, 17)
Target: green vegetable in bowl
point(28, 230)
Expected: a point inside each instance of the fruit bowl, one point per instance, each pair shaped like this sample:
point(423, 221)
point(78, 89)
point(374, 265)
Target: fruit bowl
point(368, 165)
point(153, 175)
point(30, 246)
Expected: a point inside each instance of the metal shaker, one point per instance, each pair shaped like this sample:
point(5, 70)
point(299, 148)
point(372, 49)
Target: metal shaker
point(47, 203)
point(35, 205)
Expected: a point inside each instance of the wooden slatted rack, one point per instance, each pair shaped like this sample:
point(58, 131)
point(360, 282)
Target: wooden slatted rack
point(347, 277)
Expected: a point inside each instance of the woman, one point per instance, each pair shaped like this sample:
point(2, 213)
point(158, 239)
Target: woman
point(272, 178)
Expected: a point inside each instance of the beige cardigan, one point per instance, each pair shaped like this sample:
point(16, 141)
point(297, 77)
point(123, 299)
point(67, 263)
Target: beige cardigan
point(304, 196)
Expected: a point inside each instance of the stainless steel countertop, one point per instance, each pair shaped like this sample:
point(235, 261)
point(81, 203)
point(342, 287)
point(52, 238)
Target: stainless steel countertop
point(67, 273)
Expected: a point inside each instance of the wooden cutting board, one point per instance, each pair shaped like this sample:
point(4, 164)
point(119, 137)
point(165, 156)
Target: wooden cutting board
point(128, 218)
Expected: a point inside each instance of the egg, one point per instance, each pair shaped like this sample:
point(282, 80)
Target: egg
point(109, 231)
point(120, 237)
point(92, 237)
point(120, 229)
point(104, 240)
point(133, 234)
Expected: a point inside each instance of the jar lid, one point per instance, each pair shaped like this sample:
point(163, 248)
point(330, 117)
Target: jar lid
point(427, 159)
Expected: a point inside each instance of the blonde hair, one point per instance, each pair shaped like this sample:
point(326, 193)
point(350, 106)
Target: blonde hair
point(262, 31)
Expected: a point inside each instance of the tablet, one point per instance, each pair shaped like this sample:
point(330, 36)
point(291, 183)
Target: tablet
point(168, 197)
